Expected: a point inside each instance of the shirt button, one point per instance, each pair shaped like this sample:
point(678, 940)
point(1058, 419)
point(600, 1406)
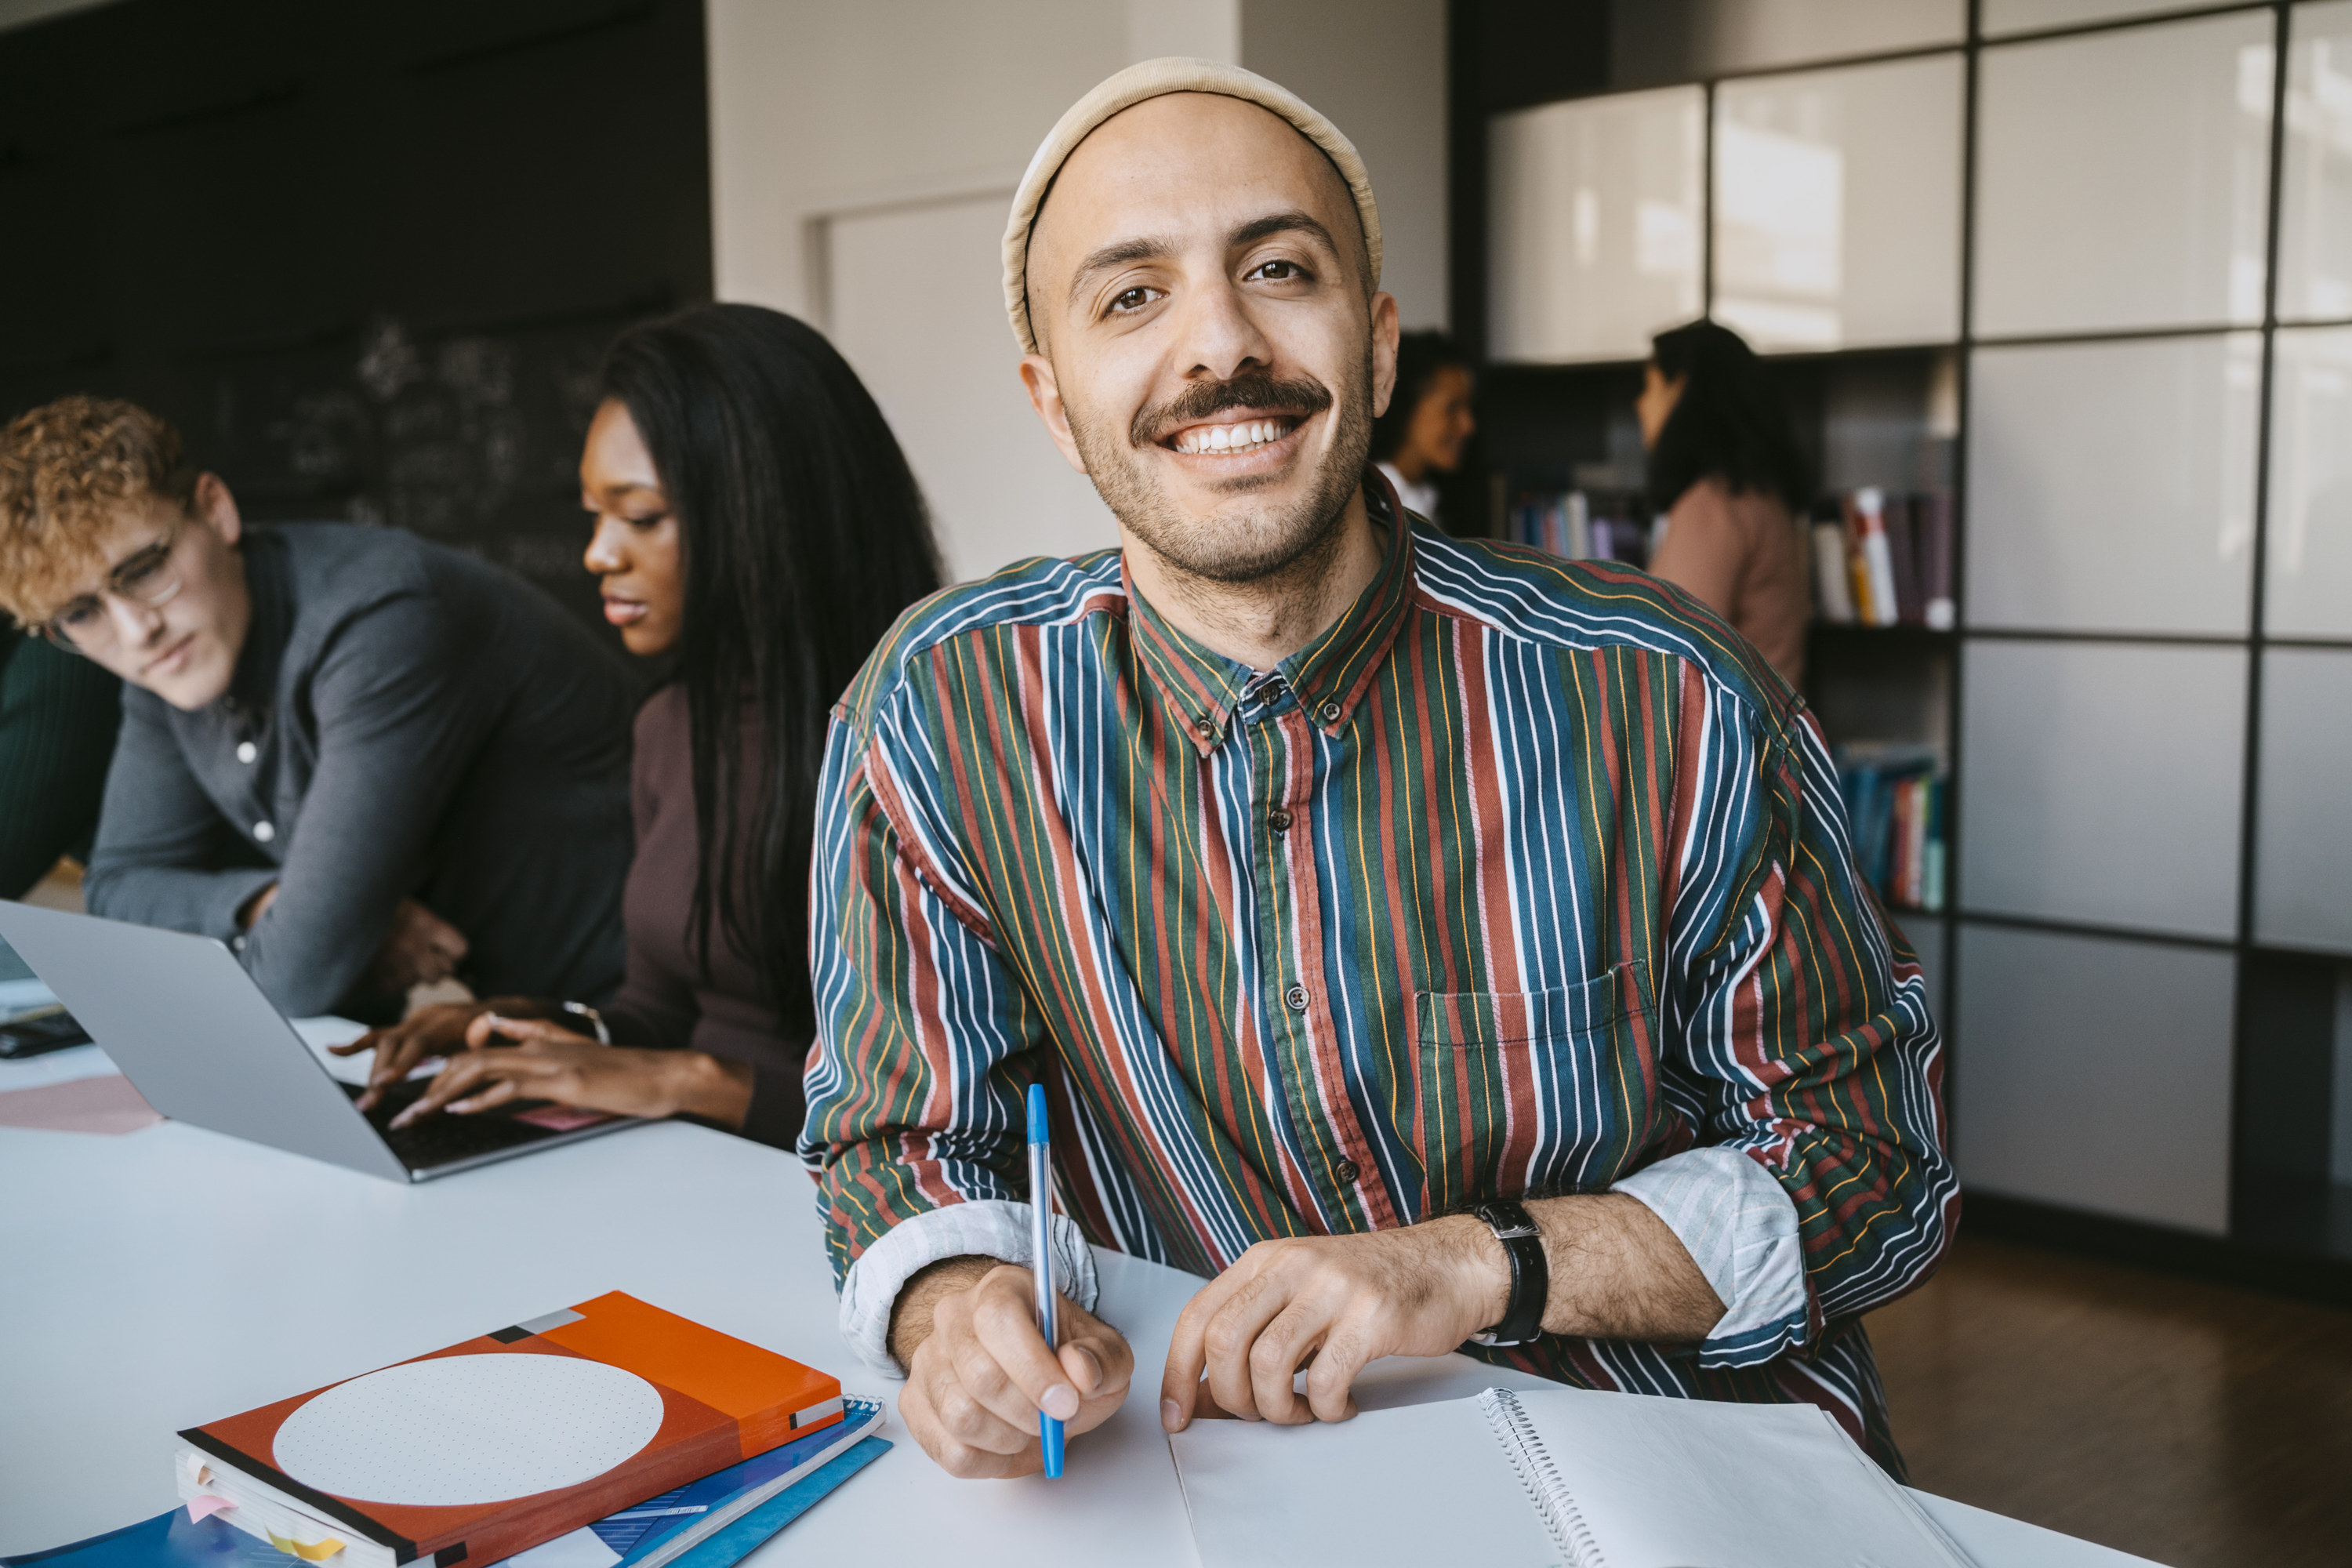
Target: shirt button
point(1296, 998)
point(1205, 728)
point(1347, 1171)
point(1330, 712)
point(246, 750)
point(1278, 819)
point(263, 832)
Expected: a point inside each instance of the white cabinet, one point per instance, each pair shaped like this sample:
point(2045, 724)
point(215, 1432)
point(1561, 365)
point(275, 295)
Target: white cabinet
point(2316, 186)
point(2303, 860)
point(2095, 1075)
point(1595, 236)
point(1837, 206)
point(2124, 179)
point(2101, 782)
point(2308, 558)
point(2111, 485)
point(2003, 17)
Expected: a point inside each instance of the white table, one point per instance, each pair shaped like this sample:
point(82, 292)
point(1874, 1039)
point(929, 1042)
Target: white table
point(170, 1276)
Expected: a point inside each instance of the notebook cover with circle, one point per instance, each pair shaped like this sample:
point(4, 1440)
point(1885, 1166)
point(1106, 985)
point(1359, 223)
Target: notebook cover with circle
point(487, 1448)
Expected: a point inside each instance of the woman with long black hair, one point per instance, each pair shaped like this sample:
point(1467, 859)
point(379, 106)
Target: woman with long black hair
point(1726, 470)
point(756, 519)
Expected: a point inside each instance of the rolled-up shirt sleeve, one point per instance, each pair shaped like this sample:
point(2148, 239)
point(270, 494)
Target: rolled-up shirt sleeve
point(1800, 1052)
point(926, 1045)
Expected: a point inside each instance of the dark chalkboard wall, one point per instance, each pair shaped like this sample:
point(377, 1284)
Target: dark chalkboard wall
point(365, 253)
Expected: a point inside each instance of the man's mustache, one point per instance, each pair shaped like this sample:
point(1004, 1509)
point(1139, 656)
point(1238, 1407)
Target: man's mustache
point(1254, 390)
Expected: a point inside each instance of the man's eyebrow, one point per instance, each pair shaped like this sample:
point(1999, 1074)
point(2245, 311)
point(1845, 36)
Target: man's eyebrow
point(1118, 253)
point(1273, 224)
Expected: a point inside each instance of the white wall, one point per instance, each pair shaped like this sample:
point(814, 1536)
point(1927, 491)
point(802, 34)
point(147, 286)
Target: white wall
point(1377, 67)
point(858, 151)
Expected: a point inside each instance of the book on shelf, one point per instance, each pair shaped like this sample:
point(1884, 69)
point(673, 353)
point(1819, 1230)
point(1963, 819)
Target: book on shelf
point(1895, 793)
point(1886, 560)
point(1583, 525)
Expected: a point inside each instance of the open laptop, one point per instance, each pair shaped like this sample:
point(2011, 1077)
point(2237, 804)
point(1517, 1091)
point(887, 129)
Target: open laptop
point(194, 1034)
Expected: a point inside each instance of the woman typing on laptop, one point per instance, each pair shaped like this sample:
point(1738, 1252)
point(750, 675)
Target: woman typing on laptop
point(756, 523)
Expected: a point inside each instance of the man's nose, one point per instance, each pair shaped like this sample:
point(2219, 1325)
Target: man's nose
point(1220, 337)
point(135, 623)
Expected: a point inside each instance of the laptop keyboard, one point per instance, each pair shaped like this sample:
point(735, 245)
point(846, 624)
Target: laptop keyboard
point(445, 1140)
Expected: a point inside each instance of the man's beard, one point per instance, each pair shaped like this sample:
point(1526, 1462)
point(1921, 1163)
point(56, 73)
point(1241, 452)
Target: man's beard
point(1239, 544)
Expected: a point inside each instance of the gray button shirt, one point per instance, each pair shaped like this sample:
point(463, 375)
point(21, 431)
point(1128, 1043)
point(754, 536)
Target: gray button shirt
point(405, 721)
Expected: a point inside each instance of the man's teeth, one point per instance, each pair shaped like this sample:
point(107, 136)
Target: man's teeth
point(1239, 437)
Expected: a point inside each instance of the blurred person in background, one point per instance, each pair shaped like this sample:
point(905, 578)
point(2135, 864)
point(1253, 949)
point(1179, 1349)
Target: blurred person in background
point(59, 714)
point(364, 761)
point(755, 517)
point(1421, 434)
point(1726, 471)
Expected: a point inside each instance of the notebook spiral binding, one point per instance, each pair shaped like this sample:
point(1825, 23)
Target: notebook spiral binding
point(1540, 1477)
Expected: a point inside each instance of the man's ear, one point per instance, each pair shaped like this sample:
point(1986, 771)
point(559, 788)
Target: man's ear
point(1044, 391)
point(1385, 332)
point(218, 508)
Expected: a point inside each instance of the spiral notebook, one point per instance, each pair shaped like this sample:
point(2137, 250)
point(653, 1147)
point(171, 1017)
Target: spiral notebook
point(1553, 1478)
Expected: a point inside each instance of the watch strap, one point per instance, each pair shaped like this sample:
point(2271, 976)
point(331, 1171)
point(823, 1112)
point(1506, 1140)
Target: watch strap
point(595, 1020)
point(1531, 1273)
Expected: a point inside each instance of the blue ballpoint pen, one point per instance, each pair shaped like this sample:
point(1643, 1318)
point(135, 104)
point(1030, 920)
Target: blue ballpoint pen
point(1041, 1220)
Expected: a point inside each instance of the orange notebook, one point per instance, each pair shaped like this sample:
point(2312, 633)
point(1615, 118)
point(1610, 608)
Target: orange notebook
point(476, 1452)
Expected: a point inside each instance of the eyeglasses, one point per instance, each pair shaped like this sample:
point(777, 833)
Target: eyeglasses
point(147, 577)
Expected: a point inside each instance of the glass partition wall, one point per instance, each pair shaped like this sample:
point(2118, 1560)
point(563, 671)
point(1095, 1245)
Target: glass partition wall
point(2072, 279)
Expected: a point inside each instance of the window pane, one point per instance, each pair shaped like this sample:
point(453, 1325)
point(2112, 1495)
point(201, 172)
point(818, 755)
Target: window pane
point(2101, 784)
point(2124, 179)
point(1595, 207)
point(2303, 865)
point(2308, 556)
point(1837, 206)
point(2315, 197)
point(2095, 1075)
point(2111, 486)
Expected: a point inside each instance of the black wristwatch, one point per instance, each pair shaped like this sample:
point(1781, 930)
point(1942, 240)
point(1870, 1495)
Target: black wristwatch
point(1530, 1274)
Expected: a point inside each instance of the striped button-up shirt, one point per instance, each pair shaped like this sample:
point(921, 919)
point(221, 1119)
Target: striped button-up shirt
point(1527, 876)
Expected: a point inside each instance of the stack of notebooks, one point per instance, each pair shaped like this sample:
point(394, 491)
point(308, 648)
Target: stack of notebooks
point(1885, 562)
point(1895, 793)
point(607, 1435)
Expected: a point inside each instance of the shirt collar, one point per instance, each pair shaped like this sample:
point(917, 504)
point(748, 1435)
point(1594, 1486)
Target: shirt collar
point(253, 688)
point(1328, 676)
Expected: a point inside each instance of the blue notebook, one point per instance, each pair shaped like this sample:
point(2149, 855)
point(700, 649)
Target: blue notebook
point(656, 1531)
point(737, 1541)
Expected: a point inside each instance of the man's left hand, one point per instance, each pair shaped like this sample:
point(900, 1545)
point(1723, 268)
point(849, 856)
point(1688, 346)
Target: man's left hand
point(1339, 1301)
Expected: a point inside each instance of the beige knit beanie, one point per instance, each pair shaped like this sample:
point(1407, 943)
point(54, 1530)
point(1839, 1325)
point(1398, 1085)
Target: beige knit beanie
point(1155, 79)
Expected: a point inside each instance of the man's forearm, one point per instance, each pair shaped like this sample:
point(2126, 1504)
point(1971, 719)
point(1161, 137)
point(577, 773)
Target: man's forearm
point(1617, 1272)
point(910, 1316)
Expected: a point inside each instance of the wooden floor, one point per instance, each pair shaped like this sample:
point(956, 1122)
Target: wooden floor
point(2201, 1426)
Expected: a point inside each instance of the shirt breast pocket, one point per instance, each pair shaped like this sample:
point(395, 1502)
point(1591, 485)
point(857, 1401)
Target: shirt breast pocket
point(1535, 1092)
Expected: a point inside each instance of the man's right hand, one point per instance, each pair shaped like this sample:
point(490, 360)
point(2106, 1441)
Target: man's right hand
point(978, 1372)
point(419, 948)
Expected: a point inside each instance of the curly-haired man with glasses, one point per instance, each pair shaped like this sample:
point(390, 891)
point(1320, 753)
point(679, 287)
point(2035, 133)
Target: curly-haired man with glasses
point(364, 760)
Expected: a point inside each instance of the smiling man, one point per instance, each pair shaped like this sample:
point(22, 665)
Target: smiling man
point(1430, 941)
point(361, 759)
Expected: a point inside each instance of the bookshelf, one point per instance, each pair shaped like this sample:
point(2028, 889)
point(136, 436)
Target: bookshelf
point(2086, 268)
